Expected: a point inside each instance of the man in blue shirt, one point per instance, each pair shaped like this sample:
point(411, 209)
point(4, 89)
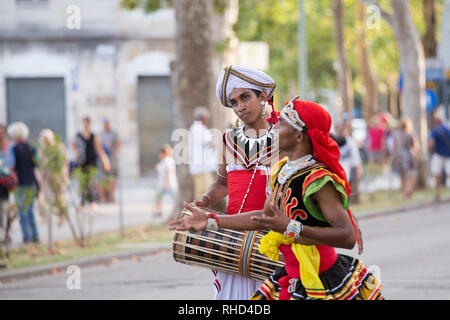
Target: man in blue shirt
point(440, 160)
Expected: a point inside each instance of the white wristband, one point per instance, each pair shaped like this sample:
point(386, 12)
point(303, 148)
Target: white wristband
point(212, 222)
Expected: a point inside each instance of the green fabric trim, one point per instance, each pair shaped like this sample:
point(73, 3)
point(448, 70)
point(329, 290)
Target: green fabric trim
point(315, 186)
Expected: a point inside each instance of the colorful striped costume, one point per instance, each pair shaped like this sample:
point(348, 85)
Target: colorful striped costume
point(311, 272)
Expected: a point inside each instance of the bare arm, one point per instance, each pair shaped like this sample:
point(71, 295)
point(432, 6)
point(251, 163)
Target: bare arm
point(218, 190)
point(198, 220)
point(74, 146)
point(339, 234)
point(101, 153)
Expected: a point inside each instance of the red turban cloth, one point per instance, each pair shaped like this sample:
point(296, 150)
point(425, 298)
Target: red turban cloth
point(315, 122)
point(325, 149)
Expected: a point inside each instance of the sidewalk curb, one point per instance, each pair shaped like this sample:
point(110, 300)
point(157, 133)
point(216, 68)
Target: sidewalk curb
point(400, 209)
point(61, 267)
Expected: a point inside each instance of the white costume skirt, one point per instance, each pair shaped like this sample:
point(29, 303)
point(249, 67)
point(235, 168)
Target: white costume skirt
point(234, 287)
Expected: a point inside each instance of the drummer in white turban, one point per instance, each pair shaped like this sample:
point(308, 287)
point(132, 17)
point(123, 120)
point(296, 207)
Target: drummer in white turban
point(244, 172)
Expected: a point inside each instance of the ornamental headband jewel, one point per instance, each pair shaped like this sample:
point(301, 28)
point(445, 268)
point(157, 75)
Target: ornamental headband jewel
point(289, 114)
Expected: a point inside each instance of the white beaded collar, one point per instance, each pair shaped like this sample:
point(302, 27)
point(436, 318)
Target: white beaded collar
point(291, 167)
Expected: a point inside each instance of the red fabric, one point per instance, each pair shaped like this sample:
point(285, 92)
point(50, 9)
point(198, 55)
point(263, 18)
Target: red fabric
point(273, 119)
point(327, 254)
point(284, 284)
point(325, 149)
point(376, 135)
point(328, 257)
point(238, 182)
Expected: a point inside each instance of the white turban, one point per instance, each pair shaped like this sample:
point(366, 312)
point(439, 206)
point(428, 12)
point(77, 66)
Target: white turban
point(233, 77)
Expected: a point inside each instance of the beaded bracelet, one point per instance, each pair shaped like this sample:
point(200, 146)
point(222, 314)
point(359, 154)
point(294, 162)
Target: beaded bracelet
point(294, 229)
point(220, 175)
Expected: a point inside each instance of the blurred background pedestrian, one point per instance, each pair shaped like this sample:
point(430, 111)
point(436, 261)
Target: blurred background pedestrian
point(87, 147)
point(202, 157)
point(350, 158)
point(440, 159)
point(167, 185)
point(54, 175)
point(405, 156)
point(22, 158)
point(106, 185)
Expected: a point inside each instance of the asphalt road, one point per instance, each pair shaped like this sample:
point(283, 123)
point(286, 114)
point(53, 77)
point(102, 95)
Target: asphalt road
point(409, 251)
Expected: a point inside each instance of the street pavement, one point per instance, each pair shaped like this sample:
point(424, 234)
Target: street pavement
point(408, 251)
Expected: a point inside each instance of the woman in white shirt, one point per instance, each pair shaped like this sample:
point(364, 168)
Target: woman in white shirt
point(166, 177)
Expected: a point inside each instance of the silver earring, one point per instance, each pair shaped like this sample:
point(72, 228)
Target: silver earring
point(263, 106)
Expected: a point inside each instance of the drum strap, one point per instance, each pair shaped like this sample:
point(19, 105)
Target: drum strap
point(246, 253)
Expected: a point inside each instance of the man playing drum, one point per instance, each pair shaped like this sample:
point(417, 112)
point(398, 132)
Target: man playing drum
point(307, 213)
point(248, 152)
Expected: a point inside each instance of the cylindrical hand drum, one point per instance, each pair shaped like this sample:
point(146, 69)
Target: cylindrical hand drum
point(224, 250)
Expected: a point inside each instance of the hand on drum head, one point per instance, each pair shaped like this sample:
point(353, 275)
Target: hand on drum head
point(197, 221)
point(278, 222)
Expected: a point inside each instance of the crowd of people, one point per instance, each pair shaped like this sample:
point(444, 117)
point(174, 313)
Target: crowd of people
point(392, 143)
point(40, 170)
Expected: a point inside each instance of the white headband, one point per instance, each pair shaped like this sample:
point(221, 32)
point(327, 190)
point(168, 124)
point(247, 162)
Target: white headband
point(233, 77)
point(291, 116)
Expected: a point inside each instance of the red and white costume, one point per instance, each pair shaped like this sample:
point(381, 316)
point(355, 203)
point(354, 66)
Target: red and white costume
point(248, 187)
point(248, 166)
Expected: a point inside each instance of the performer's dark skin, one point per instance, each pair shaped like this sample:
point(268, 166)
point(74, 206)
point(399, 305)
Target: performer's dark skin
point(340, 234)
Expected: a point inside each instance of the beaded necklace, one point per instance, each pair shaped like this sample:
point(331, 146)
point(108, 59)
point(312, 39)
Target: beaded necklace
point(292, 167)
point(256, 165)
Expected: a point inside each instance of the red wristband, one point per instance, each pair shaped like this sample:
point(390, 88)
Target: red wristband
point(213, 216)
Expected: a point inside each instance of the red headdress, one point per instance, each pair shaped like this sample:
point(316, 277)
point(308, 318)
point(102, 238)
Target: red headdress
point(315, 122)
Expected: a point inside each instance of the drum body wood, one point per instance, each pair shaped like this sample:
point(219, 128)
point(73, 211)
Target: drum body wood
point(224, 250)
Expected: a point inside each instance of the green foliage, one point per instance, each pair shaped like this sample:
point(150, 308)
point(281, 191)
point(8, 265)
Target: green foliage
point(275, 22)
point(52, 157)
point(154, 5)
point(85, 177)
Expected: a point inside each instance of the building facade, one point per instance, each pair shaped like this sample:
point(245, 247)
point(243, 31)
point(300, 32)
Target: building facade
point(65, 59)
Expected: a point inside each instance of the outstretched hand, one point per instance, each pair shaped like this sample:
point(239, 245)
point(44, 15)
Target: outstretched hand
point(197, 221)
point(278, 222)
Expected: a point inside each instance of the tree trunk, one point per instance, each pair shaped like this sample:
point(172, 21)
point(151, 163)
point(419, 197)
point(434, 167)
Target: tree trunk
point(370, 96)
point(412, 63)
point(429, 39)
point(344, 72)
point(193, 76)
point(393, 96)
point(222, 117)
